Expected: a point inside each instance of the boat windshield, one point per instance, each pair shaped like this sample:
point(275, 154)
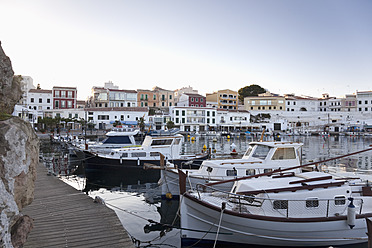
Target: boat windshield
point(117, 140)
point(261, 151)
point(249, 150)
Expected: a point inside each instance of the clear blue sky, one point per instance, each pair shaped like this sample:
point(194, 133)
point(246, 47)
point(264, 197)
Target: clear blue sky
point(286, 46)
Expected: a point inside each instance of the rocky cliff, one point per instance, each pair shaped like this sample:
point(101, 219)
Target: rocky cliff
point(19, 155)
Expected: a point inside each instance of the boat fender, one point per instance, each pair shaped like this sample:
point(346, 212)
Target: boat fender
point(138, 161)
point(351, 213)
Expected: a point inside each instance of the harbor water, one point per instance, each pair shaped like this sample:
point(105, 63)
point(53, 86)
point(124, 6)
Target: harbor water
point(153, 222)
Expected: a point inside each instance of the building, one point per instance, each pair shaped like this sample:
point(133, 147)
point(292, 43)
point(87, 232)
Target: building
point(224, 99)
point(179, 92)
point(193, 119)
point(64, 97)
point(300, 103)
point(147, 98)
point(165, 98)
point(233, 120)
point(349, 103)
point(364, 101)
point(39, 100)
point(122, 98)
point(191, 100)
point(104, 118)
point(27, 83)
point(265, 103)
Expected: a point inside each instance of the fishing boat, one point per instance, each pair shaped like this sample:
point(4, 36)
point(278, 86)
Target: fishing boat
point(133, 160)
point(277, 209)
point(260, 157)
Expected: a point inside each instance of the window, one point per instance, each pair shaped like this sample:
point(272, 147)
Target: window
point(70, 115)
point(138, 154)
point(312, 203)
point(250, 172)
point(232, 173)
point(192, 99)
point(63, 93)
point(209, 169)
point(170, 97)
point(40, 100)
point(284, 153)
point(154, 98)
point(56, 93)
point(69, 94)
point(340, 200)
point(196, 99)
point(32, 99)
point(69, 104)
point(201, 99)
point(280, 204)
point(161, 142)
point(261, 152)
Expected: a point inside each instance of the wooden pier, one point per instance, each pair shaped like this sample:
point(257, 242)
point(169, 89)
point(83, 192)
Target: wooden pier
point(66, 217)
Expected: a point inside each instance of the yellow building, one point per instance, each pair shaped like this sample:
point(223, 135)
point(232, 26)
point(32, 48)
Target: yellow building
point(264, 103)
point(223, 99)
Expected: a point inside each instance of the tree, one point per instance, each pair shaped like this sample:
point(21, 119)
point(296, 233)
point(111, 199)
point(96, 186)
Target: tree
point(170, 125)
point(141, 124)
point(251, 90)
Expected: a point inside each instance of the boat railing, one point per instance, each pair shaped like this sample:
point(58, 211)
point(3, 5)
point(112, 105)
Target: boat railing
point(311, 207)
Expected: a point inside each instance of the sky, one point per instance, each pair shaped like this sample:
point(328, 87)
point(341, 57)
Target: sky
point(285, 46)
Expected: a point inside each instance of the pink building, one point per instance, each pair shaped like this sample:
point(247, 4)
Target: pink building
point(191, 100)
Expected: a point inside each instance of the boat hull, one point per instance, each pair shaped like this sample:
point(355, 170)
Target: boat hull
point(248, 229)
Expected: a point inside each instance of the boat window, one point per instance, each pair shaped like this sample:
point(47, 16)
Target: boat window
point(154, 154)
point(138, 154)
point(124, 155)
point(284, 153)
point(231, 173)
point(250, 172)
point(261, 152)
point(209, 169)
point(177, 141)
point(280, 204)
point(117, 140)
point(161, 142)
point(312, 203)
point(268, 170)
point(340, 200)
point(249, 150)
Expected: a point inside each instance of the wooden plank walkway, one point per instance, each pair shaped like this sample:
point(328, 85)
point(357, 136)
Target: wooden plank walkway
point(66, 217)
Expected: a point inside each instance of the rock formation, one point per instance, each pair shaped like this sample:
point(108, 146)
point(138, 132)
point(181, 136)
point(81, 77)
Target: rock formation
point(19, 155)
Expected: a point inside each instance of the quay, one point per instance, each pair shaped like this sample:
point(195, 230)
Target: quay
point(66, 217)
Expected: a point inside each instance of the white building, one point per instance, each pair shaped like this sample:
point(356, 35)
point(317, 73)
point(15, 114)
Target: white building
point(122, 98)
point(183, 90)
point(104, 118)
point(300, 103)
point(39, 100)
point(27, 83)
point(230, 120)
point(193, 119)
point(364, 101)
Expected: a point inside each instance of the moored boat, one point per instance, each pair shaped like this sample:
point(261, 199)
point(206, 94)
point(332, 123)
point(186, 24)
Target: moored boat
point(301, 209)
point(260, 157)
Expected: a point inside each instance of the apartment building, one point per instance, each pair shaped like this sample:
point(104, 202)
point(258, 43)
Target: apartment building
point(300, 103)
point(223, 99)
point(147, 98)
point(193, 118)
point(364, 101)
point(191, 100)
point(264, 103)
point(64, 97)
point(165, 98)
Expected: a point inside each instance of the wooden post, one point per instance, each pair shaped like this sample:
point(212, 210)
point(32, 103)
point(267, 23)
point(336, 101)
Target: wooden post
point(369, 232)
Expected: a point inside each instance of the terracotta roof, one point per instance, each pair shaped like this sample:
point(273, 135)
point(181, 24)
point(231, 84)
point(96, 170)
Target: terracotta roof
point(40, 91)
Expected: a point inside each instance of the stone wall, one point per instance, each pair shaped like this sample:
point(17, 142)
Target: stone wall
point(19, 155)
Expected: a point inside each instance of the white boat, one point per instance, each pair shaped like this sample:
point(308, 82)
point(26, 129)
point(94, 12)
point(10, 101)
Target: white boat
point(260, 157)
point(302, 210)
point(116, 138)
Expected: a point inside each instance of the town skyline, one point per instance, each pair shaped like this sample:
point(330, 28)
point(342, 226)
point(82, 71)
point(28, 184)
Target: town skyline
point(288, 46)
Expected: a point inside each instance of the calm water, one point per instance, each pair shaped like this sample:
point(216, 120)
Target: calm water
point(140, 207)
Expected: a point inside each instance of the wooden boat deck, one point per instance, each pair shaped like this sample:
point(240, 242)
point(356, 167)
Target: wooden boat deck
point(66, 217)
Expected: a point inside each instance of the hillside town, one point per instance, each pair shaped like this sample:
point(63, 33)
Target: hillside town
point(221, 110)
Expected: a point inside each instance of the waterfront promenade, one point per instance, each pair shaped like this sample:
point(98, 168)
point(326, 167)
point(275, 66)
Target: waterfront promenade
point(66, 217)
